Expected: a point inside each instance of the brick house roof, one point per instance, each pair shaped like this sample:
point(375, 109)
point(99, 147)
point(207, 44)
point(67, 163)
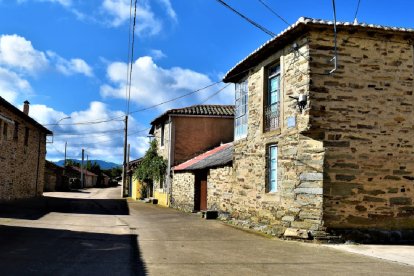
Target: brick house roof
point(22, 115)
point(293, 31)
point(196, 110)
point(216, 157)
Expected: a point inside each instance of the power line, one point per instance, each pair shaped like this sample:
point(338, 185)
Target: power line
point(257, 25)
point(214, 94)
point(129, 82)
point(356, 11)
point(129, 50)
point(86, 133)
point(89, 122)
point(176, 98)
point(272, 11)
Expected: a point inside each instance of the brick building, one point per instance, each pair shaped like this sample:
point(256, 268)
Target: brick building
point(22, 153)
point(341, 160)
point(186, 132)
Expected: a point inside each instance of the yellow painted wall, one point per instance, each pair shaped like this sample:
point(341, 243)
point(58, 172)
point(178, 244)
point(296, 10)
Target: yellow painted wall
point(162, 198)
point(136, 189)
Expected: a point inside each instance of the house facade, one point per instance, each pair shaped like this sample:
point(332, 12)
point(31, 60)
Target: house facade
point(186, 132)
point(319, 147)
point(198, 183)
point(75, 175)
point(22, 153)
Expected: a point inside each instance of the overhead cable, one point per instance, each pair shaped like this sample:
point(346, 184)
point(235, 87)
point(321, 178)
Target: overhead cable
point(272, 11)
point(257, 25)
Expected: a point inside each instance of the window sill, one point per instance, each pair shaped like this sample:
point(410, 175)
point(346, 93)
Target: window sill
point(274, 132)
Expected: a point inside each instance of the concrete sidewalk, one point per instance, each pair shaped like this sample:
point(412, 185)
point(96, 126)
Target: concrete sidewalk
point(397, 253)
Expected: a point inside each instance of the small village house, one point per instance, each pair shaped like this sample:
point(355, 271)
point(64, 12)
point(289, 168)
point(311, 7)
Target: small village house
point(22, 153)
point(74, 175)
point(186, 132)
point(320, 148)
point(197, 183)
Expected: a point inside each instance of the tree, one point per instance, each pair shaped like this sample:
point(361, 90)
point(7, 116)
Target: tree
point(152, 167)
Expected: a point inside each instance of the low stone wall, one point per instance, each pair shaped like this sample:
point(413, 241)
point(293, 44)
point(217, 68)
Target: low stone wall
point(183, 191)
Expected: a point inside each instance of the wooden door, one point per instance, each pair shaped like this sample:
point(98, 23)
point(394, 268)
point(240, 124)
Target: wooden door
point(203, 193)
point(200, 191)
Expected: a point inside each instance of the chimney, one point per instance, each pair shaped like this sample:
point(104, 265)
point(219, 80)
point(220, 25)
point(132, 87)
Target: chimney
point(26, 107)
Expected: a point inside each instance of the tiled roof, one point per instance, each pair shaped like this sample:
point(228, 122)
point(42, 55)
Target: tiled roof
point(86, 172)
point(197, 110)
point(216, 157)
point(22, 115)
point(241, 67)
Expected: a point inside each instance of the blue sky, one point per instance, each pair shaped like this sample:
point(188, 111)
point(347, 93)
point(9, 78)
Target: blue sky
point(68, 58)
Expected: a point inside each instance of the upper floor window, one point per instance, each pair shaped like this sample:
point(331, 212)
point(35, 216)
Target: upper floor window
point(5, 130)
point(272, 107)
point(16, 131)
point(26, 136)
point(162, 135)
point(240, 124)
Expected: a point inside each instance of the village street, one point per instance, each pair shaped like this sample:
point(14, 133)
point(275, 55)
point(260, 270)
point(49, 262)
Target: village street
point(94, 232)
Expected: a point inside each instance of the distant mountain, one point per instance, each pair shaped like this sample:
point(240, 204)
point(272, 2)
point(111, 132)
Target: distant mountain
point(103, 164)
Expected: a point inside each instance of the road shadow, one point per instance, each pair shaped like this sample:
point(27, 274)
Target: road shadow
point(39, 251)
point(33, 209)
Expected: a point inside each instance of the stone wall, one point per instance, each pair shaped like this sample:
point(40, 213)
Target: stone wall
point(183, 191)
point(22, 167)
point(299, 198)
point(364, 115)
point(220, 185)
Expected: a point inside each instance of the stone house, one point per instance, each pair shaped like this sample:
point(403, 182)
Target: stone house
point(186, 132)
point(318, 148)
point(22, 153)
point(74, 175)
point(198, 182)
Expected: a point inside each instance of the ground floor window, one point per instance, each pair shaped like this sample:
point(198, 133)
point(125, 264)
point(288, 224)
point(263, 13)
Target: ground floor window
point(272, 168)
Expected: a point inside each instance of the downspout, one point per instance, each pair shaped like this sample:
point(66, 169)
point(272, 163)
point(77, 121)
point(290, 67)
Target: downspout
point(38, 164)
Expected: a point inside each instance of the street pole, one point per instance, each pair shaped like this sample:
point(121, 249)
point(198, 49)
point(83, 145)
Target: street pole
point(83, 157)
point(64, 160)
point(124, 172)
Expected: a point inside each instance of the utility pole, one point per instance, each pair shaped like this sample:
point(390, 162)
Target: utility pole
point(124, 172)
point(129, 178)
point(83, 157)
point(64, 162)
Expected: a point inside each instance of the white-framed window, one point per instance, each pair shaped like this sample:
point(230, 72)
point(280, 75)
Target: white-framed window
point(272, 108)
point(240, 122)
point(272, 168)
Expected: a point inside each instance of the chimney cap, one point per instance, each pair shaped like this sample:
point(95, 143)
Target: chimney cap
point(26, 102)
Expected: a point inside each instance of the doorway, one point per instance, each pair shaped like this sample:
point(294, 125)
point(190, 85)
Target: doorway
point(200, 191)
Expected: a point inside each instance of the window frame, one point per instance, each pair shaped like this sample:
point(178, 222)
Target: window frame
point(162, 136)
point(272, 111)
point(26, 136)
point(270, 188)
point(16, 132)
point(241, 100)
point(5, 130)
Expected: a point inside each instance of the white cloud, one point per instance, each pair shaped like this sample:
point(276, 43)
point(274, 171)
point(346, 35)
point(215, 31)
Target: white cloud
point(119, 11)
point(18, 53)
point(147, 22)
point(72, 66)
point(170, 11)
point(157, 54)
point(12, 85)
point(152, 84)
point(99, 140)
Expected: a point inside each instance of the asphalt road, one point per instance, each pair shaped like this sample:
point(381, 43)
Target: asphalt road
point(93, 232)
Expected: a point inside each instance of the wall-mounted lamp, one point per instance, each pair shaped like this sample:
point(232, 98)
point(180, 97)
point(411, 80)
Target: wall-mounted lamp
point(301, 101)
